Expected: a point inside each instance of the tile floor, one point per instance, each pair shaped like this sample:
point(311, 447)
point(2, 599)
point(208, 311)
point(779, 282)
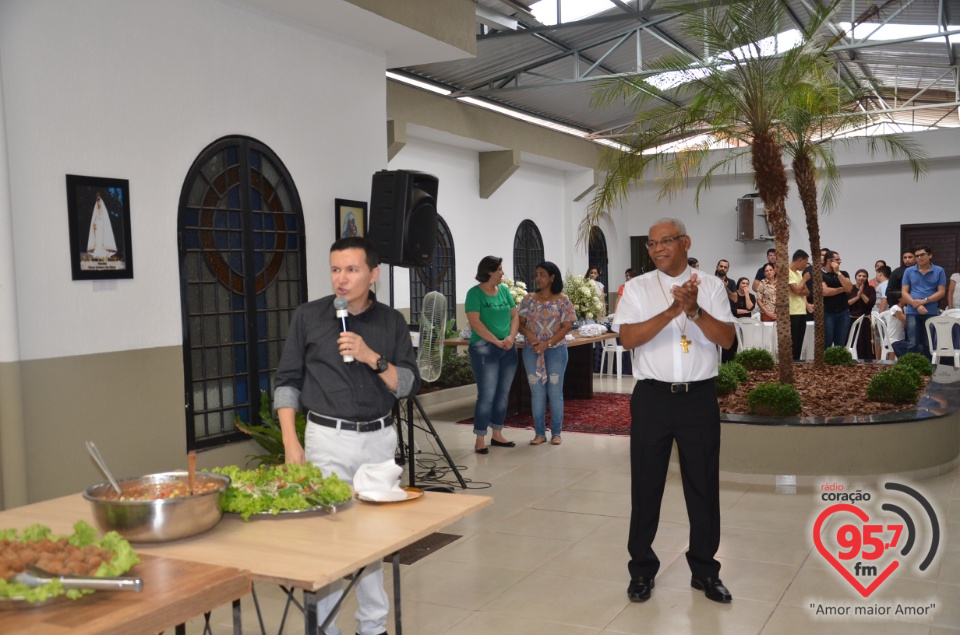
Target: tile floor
point(549, 556)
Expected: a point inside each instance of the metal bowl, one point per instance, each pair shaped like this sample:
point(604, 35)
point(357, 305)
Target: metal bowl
point(159, 520)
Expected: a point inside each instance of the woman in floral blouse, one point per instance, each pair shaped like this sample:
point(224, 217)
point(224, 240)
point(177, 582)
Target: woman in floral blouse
point(546, 316)
point(767, 294)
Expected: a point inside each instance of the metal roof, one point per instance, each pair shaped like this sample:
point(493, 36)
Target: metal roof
point(551, 71)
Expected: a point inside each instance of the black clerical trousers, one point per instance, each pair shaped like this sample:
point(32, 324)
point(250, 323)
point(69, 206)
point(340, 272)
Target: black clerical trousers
point(693, 420)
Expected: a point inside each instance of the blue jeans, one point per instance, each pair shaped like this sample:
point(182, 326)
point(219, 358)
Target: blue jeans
point(917, 334)
point(836, 327)
point(494, 369)
point(556, 361)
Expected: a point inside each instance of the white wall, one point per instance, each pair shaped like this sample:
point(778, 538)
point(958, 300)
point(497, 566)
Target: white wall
point(482, 227)
point(136, 90)
point(877, 196)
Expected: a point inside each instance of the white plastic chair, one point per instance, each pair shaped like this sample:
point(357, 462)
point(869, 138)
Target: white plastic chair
point(739, 331)
point(854, 335)
point(611, 347)
point(880, 334)
point(806, 348)
point(754, 335)
point(943, 326)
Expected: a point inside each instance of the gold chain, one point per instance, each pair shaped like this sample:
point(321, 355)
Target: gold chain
point(684, 342)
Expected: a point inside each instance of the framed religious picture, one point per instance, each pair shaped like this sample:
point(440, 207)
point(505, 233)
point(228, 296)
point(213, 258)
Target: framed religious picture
point(99, 215)
point(351, 217)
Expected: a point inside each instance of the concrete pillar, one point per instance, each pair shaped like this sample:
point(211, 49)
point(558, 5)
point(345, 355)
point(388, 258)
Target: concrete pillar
point(13, 469)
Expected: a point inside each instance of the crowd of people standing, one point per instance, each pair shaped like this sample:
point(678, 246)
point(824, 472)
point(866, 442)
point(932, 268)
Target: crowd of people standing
point(904, 298)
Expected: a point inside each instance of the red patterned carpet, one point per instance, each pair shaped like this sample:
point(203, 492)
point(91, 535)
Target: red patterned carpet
point(606, 413)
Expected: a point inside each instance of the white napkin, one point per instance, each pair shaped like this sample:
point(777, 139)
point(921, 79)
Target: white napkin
point(379, 482)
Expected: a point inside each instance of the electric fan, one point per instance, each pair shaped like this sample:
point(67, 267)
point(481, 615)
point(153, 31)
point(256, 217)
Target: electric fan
point(433, 324)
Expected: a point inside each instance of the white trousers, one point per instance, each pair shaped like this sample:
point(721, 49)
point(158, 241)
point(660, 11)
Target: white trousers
point(343, 452)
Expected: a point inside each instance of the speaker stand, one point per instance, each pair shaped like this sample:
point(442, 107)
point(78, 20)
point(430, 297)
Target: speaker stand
point(405, 415)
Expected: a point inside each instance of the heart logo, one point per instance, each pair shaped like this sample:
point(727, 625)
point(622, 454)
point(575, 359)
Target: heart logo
point(867, 538)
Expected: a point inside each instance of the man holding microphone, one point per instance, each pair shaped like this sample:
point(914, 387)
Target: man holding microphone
point(348, 403)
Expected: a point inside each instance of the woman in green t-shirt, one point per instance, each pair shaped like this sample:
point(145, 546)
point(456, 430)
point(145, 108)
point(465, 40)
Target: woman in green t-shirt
point(494, 322)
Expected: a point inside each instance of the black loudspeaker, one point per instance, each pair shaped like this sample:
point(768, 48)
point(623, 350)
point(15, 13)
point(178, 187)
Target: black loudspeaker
point(403, 217)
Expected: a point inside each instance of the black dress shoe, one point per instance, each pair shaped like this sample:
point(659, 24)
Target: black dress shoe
point(639, 589)
point(713, 588)
point(502, 444)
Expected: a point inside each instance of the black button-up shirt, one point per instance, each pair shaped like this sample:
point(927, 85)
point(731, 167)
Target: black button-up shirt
point(312, 373)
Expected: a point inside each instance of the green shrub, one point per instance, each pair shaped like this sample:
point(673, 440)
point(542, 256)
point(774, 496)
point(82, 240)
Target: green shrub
point(456, 371)
point(267, 433)
point(838, 356)
point(727, 380)
point(900, 384)
point(917, 362)
point(774, 399)
point(755, 359)
point(737, 369)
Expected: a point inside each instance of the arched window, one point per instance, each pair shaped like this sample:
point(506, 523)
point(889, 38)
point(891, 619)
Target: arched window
point(597, 256)
point(527, 252)
point(440, 276)
point(242, 274)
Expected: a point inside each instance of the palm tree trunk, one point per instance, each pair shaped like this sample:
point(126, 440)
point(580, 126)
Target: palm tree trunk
point(804, 175)
point(771, 177)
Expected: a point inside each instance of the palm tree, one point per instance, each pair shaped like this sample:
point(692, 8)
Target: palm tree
point(731, 92)
point(810, 126)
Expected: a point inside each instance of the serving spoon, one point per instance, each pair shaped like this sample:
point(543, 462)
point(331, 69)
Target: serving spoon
point(95, 453)
point(34, 576)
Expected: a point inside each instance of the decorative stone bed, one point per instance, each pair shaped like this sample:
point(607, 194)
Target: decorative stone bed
point(924, 440)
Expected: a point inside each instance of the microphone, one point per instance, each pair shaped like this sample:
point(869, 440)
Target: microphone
point(340, 304)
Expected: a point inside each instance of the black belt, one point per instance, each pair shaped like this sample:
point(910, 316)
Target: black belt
point(688, 386)
point(351, 426)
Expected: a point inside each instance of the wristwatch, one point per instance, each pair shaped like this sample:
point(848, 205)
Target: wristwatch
point(382, 364)
point(696, 316)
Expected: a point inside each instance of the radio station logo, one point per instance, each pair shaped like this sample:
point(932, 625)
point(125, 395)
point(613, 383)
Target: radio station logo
point(867, 545)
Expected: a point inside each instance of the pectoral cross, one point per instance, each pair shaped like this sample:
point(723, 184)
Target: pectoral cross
point(685, 343)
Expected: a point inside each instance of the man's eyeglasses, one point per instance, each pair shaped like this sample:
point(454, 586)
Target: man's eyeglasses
point(666, 242)
point(921, 254)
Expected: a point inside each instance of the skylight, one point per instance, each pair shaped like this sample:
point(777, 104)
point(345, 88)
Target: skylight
point(874, 31)
point(772, 45)
point(570, 10)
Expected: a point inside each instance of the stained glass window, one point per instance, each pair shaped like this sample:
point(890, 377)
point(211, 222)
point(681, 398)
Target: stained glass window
point(527, 252)
point(242, 273)
point(597, 256)
point(439, 276)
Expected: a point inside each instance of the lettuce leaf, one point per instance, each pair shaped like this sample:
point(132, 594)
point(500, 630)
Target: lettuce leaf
point(278, 488)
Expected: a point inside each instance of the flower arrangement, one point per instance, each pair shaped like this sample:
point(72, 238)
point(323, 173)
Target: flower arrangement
point(517, 289)
point(584, 295)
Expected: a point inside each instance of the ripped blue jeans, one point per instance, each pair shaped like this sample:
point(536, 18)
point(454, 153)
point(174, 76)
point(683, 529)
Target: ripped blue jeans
point(494, 369)
point(556, 362)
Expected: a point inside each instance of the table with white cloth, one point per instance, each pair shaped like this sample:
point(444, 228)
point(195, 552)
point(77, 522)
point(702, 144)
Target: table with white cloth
point(757, 334)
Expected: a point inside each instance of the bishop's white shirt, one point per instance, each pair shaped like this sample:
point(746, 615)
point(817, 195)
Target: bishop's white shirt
point(662, 358)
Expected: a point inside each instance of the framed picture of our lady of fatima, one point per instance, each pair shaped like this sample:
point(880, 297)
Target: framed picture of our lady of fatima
point(99, 215)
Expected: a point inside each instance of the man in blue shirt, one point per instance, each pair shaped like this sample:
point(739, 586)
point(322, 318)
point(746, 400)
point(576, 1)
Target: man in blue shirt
point(923, 286)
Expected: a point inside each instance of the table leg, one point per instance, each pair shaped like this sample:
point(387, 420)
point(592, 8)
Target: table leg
point(336, 607)
point(398, 625)
point(310, 612)
point(237, 620)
